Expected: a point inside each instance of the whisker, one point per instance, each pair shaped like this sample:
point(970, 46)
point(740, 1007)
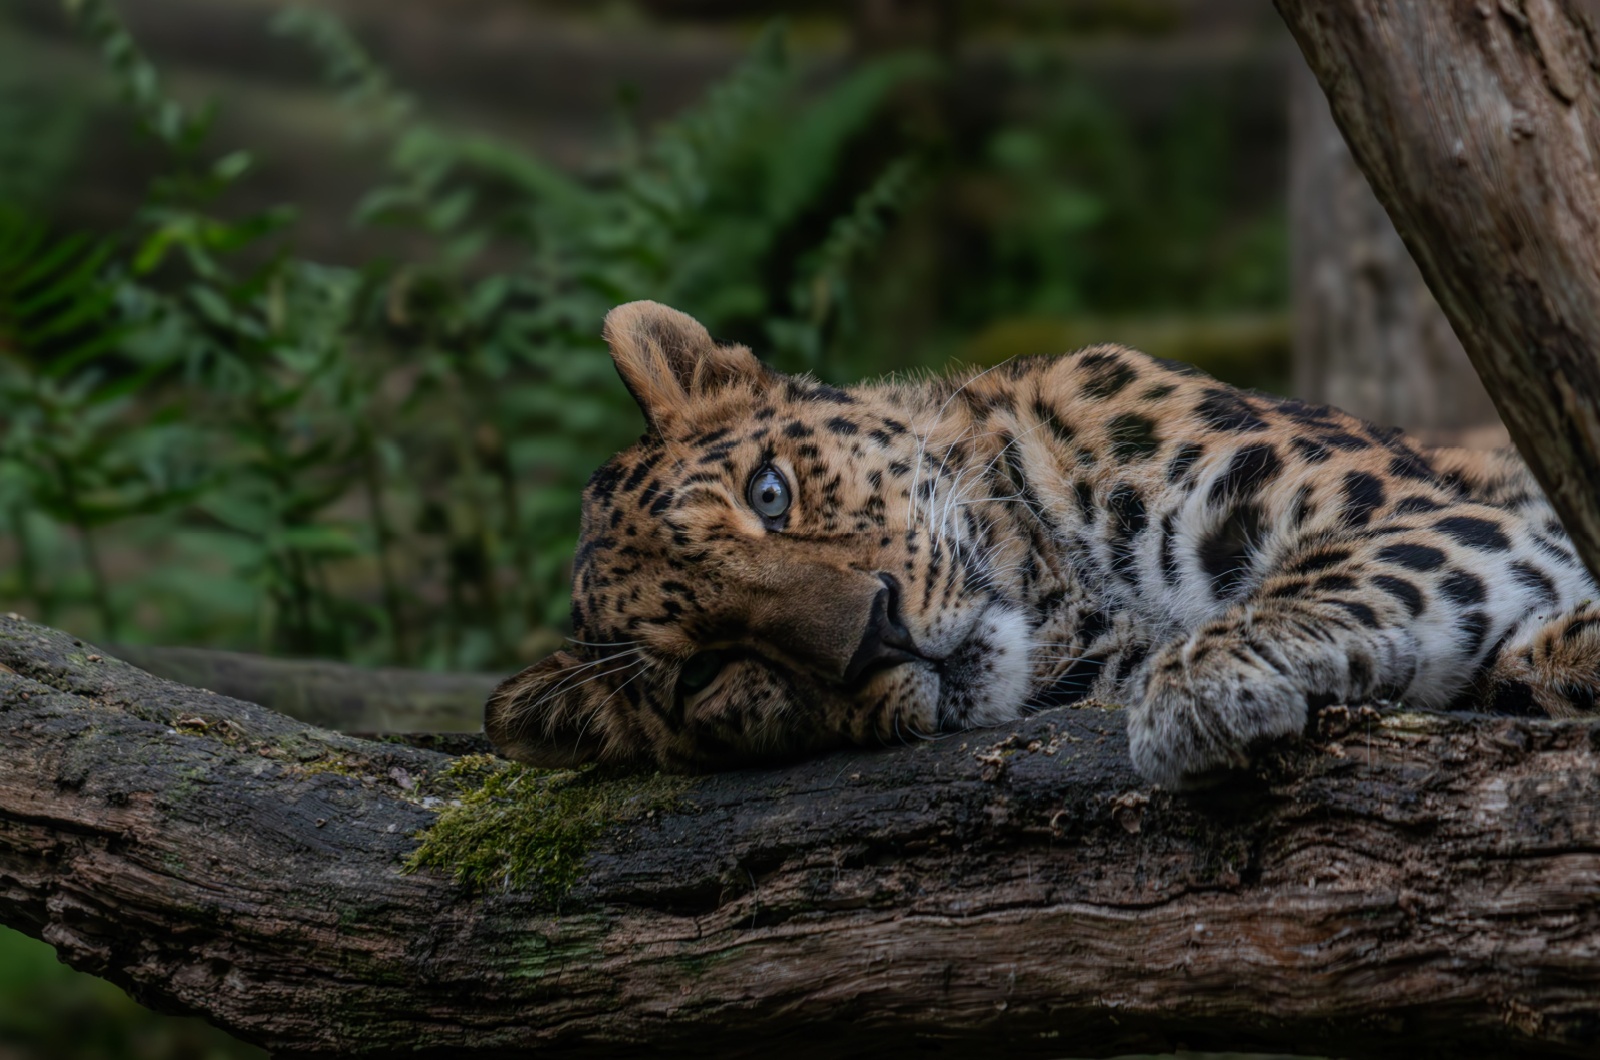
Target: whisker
point(601, 706)
point(566, 686)
point(594, 662)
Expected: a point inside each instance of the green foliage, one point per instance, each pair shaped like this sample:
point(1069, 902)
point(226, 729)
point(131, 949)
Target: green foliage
point(386, 458)
point(1103, 216)
point(76, 451)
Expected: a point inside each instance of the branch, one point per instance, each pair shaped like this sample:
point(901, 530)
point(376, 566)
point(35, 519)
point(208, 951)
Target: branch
point(1478, 126)
point(1410, 882)
point(333, 695)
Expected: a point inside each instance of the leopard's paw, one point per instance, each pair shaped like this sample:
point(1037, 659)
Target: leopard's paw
point(1207, 703)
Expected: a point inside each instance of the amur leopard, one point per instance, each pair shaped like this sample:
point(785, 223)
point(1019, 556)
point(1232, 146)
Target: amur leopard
point(780, 566)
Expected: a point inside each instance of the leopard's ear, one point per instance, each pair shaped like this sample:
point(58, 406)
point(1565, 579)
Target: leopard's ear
point(546, 715)
point(667, 359)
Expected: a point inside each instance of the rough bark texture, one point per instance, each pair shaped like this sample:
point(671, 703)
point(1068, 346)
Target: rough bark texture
point(332, 695)
point(1478, 126)
point(1368, 336)
point(1404, 885)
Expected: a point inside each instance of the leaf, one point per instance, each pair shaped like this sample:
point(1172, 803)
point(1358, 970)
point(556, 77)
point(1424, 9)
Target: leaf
point(212, 305)
point(322, 541)
point(231, 167)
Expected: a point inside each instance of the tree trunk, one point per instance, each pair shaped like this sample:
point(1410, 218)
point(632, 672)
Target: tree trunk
point(1403, 883)
point(1368, 335)
point(1478, 126)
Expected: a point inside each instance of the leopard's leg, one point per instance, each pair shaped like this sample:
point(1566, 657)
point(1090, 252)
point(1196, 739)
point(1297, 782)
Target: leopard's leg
point(1400, 610)
point(1548, 668)
point(1254, 674)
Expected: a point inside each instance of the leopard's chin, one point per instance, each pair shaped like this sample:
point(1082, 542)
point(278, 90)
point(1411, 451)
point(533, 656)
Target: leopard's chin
point(984, 680)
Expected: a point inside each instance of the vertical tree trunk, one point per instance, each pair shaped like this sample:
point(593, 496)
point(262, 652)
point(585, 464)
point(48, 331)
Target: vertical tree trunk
point(1478, 125)
point(1368, 335)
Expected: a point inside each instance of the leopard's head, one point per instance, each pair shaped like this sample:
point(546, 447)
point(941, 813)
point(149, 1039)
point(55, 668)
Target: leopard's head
point(777, 566)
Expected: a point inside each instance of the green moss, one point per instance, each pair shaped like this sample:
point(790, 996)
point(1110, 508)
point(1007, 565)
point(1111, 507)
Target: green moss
point(514, 826)
point(188, 782)
point(334, 763)
point(465, 775)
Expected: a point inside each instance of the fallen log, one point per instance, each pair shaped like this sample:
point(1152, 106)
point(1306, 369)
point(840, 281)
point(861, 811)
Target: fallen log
point(1401, 884)
point(327, 694)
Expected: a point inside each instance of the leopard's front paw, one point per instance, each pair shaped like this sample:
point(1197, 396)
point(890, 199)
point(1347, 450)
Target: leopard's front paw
point(1207, 703)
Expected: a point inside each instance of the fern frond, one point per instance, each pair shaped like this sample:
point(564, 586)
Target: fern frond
point(821, 297)
point(135, 76)
point(682, 160)
point(361, 82)
point(856, 233)
point(54, 301)
point(805, 159)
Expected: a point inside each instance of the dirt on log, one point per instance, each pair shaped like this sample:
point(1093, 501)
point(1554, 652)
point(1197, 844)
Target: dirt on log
point(1478, 126)
point(1404, 884)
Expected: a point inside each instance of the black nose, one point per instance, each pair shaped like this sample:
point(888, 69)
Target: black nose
point(887, 641)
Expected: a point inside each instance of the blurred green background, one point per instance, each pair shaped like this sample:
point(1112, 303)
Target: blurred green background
point(299, 309)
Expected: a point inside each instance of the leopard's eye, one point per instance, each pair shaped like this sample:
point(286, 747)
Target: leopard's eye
point(768, 493)
point(700, 670)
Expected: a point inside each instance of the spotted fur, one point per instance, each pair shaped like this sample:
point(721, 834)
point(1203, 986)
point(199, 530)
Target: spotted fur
point(958, 551)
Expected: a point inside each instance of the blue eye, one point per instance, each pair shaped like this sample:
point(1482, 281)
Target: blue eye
point(768, 493)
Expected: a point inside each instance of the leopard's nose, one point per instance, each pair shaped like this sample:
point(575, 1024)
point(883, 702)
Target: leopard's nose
point(886, 641)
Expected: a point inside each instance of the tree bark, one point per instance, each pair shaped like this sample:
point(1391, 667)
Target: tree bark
point(1478, 126)
point(1368, 335)
point(1401, 883)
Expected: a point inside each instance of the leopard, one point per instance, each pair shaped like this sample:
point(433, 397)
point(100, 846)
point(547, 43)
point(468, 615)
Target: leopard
point(780, 566)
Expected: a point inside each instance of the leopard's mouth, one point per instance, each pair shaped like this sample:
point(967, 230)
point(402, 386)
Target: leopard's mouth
point(983, 679)
point(890, 659)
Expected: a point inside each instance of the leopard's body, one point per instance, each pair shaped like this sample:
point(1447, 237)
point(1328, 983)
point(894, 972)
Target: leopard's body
point(956, 551)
